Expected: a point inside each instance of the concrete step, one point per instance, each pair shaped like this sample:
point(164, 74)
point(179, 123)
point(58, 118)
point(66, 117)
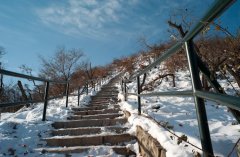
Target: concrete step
point(88, 123)
point(90, 107)
point(97, 116)
point(91, 140)
point(109, 86)
point(102, 97)
point(109, 89)
point(99, 101)
point(102, 102)
point(88, 130)
point(105, 106)
point(110, 93)
point(113, 92)
point(121, 150)
point(93, 112)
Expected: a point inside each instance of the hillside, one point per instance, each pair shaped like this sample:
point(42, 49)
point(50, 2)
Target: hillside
point(171, 120)
point(176, 118)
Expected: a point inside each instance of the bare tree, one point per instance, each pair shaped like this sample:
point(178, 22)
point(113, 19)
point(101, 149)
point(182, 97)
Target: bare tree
point(179, 26)
point(62, 65)
point(2, 52)
point(38, 88)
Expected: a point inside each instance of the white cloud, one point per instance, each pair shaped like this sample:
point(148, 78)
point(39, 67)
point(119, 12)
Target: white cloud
point(84, 17)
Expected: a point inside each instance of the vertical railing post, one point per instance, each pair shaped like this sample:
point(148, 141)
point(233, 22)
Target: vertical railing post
point(199, 102)
point(45, 101)
point(138, 92)
point(87, 87)
point(125, 91)
point(122, 85)
point(79, 96)
point(67, 91)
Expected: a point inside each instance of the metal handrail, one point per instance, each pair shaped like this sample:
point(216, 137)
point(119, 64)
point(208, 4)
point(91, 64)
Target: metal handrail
point(46, 99)
point(216, 10)
point(170, 93)
point(195, 64)
point(11, 104)
point(47, 84)
point(226, 100)
point(19, 75)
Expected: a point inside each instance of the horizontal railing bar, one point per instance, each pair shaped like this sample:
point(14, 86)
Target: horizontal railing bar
point(14, 74)
point(222, 99)
point(19, 103)
point(170, 93)
point(217, 8)
point(11, 104)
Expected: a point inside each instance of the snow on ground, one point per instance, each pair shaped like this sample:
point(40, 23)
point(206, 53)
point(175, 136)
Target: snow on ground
point(21, 132)
point(179, 114)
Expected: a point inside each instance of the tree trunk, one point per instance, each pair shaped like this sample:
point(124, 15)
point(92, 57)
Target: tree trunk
point(235, 113)
point(1, 82)
point(205, 83)
point(173, 80)
point(234, 74)
point(24, 96)
point(143, 82)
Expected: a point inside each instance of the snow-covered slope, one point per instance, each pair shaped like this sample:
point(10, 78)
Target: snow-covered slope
point(21, 132)
point(178, 114)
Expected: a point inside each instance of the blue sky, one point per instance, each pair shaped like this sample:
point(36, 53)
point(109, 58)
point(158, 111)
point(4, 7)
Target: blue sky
point(102, 29)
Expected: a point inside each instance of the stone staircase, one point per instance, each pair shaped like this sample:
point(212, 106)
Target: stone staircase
point(98, 129)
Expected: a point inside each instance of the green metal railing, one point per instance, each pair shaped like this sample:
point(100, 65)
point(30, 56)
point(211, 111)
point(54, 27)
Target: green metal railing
point(195, 66)
point(46, 93)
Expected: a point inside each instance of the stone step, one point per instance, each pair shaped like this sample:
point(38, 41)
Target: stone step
point(108, 92)
point(102, 97)
point(88, 130)
point(91, 140)
point(97, 116)
point(109, 95)
point(105, 105)
point(109, 86)
point(94, 107)
point(93, 112)
point(121, 150)
point(99, 101)
point(88, 123)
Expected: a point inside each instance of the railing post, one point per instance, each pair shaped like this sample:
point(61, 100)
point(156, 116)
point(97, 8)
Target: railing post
point(199, 102)
point(125, 91)
point(79, 96)
point(87, 87)
point(45, 101)
point(122, 85)
point(67, 91)
point(138, 92)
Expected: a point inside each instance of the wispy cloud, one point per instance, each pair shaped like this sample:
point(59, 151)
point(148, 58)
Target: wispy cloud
point(101, 19)
point(85, 17)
